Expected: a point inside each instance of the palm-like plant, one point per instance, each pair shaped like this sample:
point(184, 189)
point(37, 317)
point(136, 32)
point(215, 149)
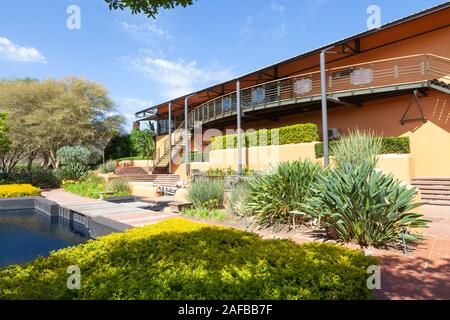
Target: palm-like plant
point(358, 203)
point(275, 197)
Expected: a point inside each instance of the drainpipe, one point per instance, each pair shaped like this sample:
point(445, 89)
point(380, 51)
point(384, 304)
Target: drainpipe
point(170, 137)
point(323, 82)
point(187, 153)
point(239, 133)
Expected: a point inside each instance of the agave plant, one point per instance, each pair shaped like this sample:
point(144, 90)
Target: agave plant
point(365, 206)
point(275, 198)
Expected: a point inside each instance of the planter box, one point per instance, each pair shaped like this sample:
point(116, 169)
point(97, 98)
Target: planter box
point(177, 207)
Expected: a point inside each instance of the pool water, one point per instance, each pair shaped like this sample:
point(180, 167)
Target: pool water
point(28, 234)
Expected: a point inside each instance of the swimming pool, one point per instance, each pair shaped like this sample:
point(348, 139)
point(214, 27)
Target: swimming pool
point(28, 234)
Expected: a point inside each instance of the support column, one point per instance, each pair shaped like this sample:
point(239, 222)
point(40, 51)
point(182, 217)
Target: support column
point(239, 131)
point(186, 136)
point(323, 82)
point(170, 137)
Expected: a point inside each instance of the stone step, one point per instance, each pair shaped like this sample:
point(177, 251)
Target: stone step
point(432, 178)
point(433, 188)
point(438, 203)
point(435, 192)
point(436, 197)
point(430, 183)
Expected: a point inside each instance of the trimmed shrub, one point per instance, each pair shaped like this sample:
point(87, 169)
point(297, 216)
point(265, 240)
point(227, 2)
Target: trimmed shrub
point(206, 193)
point(38, 177)
point(274, 197)
point(300, 133)
point(108, 167)
point(196, 157)
point(181, 260)
point(400, 145)
point(18, 190)
point(394, 145)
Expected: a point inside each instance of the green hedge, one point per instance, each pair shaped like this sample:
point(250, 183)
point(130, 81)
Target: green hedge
point(399, 145)
point(196, 157)
point(179, 259)
point(299, 133)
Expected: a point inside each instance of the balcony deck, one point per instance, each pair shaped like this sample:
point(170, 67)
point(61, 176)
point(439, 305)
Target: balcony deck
point(347, 85)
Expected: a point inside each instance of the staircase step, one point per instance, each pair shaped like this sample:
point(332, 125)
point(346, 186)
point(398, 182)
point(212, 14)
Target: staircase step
point(438, 203)
point(431, 183)
point(435, 192)
point(431, 178)
point(433, 188)
point(436, 197)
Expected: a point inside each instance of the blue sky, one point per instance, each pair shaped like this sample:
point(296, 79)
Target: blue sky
point(144, 62)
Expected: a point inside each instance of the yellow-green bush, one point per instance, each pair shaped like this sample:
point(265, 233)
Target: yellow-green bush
point(179, 259)
point(299, 133)
point(18, 190)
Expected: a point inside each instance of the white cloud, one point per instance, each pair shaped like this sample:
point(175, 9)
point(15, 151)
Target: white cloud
point(13, 52)
point(176, 77)
point(145, 30)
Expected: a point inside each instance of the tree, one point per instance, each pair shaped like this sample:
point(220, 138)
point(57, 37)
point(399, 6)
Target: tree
point(51, 114)
point(148, 7)
point(4, 142)
point(106, 131)
point(143, 143)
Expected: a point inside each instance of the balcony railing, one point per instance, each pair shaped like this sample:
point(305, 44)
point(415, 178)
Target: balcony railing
point(304, 87)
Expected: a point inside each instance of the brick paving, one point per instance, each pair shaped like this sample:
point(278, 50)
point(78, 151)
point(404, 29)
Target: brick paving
point(423, 273)
point(123, 213)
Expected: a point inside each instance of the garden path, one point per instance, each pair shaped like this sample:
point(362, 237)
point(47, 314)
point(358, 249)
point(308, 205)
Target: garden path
point(123, 213)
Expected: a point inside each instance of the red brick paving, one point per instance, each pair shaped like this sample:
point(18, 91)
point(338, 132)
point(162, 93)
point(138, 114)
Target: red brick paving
point(423, 273)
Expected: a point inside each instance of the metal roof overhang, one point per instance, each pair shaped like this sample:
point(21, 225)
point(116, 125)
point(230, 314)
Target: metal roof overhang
point(397, 30)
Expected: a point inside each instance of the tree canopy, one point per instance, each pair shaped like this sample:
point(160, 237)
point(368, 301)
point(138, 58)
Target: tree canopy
point(4, 141)
point(148, 7)
point(44, 116)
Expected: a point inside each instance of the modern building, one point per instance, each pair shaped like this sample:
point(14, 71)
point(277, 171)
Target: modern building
point(393, 80)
